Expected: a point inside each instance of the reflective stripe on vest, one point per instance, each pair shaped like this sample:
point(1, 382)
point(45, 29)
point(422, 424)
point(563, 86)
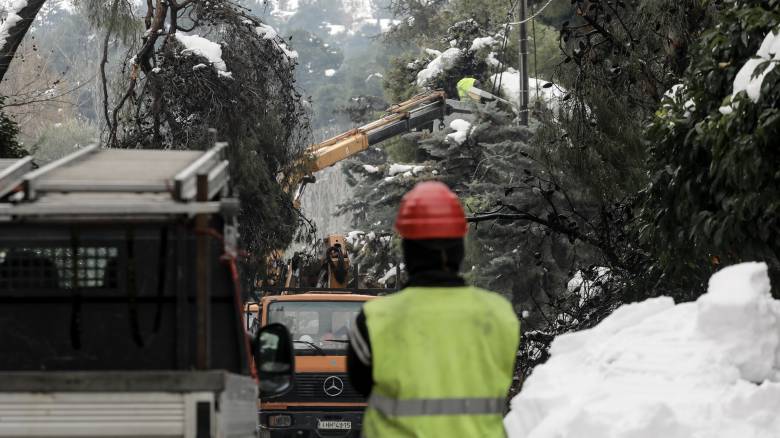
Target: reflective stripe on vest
point(436, 406)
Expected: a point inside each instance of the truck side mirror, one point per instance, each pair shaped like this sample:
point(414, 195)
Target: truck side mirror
point(275, 360)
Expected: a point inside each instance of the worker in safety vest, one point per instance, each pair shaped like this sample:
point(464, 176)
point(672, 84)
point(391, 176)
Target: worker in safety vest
point(466, 88)
point(435, 359)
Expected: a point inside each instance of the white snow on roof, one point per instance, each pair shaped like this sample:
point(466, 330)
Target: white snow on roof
point(462, 130)
point(481, 43)
point(441, 63)
point(202, 47)
point(703, 369)
point(396, 168)
point(11, 19)
point(745, 79)
point(330, 72)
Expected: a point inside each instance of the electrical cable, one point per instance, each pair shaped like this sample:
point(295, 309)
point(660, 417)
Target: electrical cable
point(536, 14)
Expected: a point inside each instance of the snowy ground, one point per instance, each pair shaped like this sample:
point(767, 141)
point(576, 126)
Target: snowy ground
point(705, 369)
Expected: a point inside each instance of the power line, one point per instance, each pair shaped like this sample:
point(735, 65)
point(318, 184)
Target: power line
point(536, 14)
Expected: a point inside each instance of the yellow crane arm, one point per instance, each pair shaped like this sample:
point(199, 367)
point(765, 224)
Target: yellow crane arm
point(401, 118)
point(342, 146)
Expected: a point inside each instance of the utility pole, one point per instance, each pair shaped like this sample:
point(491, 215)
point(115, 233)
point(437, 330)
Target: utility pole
point(523, 47)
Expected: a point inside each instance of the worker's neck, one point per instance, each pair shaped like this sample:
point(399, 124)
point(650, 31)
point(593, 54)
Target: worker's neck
point(435, 278)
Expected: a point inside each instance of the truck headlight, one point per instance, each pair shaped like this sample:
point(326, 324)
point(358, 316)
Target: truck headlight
point(279, 420)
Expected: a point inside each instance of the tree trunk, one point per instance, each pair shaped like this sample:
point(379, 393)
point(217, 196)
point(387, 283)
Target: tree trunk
point(14, 34)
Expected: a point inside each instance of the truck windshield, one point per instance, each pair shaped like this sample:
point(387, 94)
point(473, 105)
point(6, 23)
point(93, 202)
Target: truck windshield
point(319, 326)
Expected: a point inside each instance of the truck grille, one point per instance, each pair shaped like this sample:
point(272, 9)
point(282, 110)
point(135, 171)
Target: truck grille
point(311, 387)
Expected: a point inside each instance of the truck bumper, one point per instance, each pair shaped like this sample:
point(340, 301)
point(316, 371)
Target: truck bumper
point(308, 424)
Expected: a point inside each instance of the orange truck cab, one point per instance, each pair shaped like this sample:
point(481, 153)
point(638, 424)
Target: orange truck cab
point(322, 402)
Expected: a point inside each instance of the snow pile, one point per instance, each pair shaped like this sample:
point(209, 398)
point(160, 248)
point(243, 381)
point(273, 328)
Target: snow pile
point(550, 96)
point(411, 169)
point(370, 169)
point(266, 31)
point(269, 33)
point(11, 19)
point(330, 72)
point(202, 47)
point(745, 79)
point(462, 130)
point(442, 62)
point(481, 43)
point(705, 369)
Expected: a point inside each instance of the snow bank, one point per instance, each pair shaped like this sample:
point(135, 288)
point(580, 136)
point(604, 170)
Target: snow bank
point(745, 81)
point(441, 63)
point(202, 47)
point(462, 130)
point(705, 369)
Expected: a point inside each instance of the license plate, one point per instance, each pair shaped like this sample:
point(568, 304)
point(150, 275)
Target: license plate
point(339, 425)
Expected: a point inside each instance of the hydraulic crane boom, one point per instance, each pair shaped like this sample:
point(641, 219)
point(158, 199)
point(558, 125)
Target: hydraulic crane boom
point(404, 117)
point(401, 118)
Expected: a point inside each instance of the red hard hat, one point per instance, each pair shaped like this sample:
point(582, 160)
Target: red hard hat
point(430, 211)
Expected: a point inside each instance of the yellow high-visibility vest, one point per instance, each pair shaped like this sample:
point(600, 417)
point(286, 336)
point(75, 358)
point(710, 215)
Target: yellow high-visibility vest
point(464, 85)
point(443, 360)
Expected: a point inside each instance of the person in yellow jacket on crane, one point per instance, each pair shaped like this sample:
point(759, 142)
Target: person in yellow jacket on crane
point(437, 358)
point(466, 88)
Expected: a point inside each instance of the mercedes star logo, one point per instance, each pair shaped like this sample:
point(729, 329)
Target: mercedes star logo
point(333, 386)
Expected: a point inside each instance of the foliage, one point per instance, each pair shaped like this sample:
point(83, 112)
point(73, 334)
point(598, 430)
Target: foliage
point(714, 194)
point(457, 25)
point(59, 139)
point(174, 98)
point(9, 145)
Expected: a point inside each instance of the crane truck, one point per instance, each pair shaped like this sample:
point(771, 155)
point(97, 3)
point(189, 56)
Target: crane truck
point(323, 401)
